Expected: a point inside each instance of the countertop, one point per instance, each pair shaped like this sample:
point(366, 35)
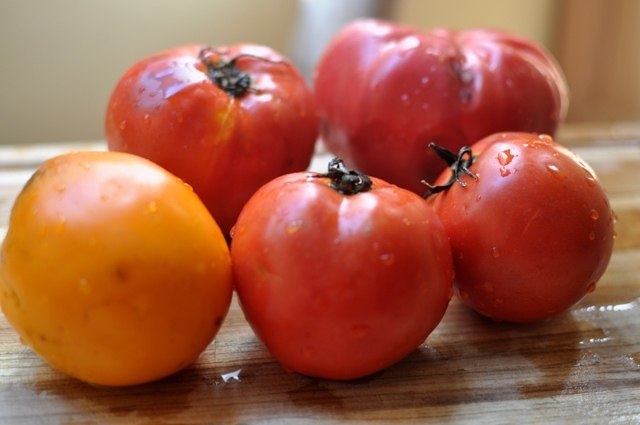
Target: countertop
point(582, 367)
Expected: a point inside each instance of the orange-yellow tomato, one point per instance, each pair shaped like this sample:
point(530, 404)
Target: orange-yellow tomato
point(112, 269)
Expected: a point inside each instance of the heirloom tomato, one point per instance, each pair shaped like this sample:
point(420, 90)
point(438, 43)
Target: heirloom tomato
point(530, 226)
point(385, 91)
point(226, 120)
point(112, 269)
point(340, 275)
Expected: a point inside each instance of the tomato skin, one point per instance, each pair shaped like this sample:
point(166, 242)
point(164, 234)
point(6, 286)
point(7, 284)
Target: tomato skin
point(532, 235)
point(340, 286)
point(112, 269)
point(165, 108)
point(385, 91)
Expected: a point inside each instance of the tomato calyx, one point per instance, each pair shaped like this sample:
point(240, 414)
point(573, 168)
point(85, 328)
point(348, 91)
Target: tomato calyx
point(345, 180)
point(225, 74)
point(459, 164)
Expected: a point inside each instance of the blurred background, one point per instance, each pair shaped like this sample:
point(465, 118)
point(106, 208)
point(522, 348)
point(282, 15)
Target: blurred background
point(59, 60)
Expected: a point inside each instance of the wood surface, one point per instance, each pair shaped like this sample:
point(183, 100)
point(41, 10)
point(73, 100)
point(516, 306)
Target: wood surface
point(582, 367)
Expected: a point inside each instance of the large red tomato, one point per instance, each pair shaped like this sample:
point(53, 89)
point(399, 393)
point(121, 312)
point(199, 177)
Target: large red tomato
point(385, 91)
point(340, 276)
point(226, 120)
point(531, 227)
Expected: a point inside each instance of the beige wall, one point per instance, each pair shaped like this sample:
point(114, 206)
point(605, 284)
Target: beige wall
point(529, 18)
point(61, 58)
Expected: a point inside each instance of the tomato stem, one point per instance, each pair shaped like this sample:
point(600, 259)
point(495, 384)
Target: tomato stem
point(459, 165)
point(225, 73)
point(345, 180)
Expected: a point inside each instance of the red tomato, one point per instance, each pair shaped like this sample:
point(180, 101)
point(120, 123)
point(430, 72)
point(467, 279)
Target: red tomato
point(225, 120)
point(384, 92)
point(531, 234)
point(340, 285)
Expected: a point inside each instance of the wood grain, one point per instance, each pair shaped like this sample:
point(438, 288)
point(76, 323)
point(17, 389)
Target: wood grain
point(582, 367)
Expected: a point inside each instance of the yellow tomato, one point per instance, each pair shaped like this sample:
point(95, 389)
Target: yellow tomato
point(112, 269)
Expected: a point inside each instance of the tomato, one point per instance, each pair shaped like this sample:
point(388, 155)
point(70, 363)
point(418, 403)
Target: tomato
point(226, 120)
point(385, 91)
point(531, 234)
point(340, 275)
point(112, 269)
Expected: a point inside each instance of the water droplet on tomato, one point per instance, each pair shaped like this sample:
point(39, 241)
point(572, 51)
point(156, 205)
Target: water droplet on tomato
point(60, 188)
point(591, 287)
point(488, 287)
point(307, 351)
point(358, 331)
point(387, 259)
point(83, 286)
point(404, 98)
point(555, 171)
point(293, 226)
point(147, 120)
point(592, 235)
point(164, 73)
point(594, 215)
point(152, 207)
point(495, 253)
point(504, 172)
point(123, 125)
point(591, 182)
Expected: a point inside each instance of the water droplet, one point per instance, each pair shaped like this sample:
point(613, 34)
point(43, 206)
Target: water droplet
point(147, 120)
point(594, 215)
point(504, 172)
point(404, 98)
point(83, 286)
point(293, 226)
point(555, 171)
point(164, 73)
point(152, 207)
point(358, 331)
point(307, 351)
point(406, 221)
point(60, 188)
point(591, 287)
point(424, 80)
point(488, 287)
point(591, 182)
point(495, 253)
point(478, 198)
point(123, 124)
point(592, 235)
point(387, 259)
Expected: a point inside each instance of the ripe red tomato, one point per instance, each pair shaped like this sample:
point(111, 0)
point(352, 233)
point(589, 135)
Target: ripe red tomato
point(385, 91)
point(226, 120)
point(340, 285)
point(531, 234)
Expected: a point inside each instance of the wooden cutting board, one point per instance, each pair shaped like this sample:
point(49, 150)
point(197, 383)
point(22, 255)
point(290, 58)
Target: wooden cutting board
point(582, 367)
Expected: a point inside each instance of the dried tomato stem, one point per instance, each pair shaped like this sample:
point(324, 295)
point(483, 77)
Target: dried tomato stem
point(345, 180)
point(459, 165)
point(225, 73)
